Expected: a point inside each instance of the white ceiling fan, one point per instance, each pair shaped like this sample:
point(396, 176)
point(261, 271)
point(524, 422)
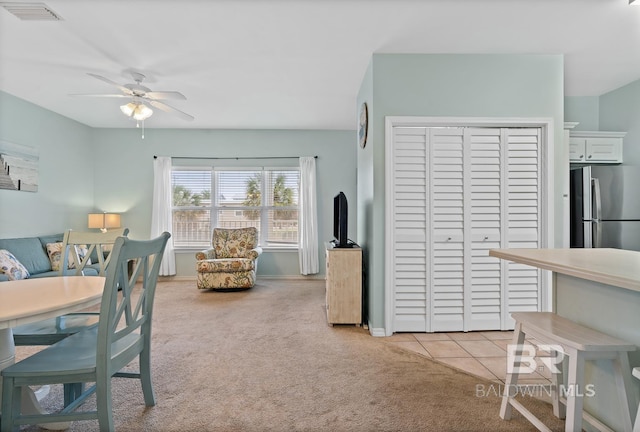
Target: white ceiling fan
point(140, 96)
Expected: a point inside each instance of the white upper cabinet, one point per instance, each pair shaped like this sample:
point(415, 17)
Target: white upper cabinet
point(595, 147)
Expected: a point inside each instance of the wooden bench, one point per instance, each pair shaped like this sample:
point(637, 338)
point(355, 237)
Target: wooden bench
point(580, 344)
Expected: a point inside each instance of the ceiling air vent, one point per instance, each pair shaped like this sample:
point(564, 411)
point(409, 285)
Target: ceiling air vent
point(31, 11)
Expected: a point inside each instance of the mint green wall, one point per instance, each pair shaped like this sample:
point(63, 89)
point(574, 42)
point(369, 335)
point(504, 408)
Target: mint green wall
point(620, 111)
point(65, 181)
point(454, 86)
point(124, 176)
point(83, 169)
point(365, 236)
point(583, 109)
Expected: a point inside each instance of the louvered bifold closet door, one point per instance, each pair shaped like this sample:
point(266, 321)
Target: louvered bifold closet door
point(410, 199)
point(484, 199)
point(456, 193)
point(446, 216)
point(524, 215)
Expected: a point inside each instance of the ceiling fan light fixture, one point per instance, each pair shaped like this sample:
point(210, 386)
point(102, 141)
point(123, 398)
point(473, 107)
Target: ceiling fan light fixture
point(137, 110)
point(128, 109)
point(142, 112)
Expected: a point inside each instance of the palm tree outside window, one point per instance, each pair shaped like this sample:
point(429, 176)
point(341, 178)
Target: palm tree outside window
point(265, 198)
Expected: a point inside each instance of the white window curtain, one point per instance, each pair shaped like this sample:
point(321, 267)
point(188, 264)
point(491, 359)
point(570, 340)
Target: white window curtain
point(308, 219)
point(161, 217)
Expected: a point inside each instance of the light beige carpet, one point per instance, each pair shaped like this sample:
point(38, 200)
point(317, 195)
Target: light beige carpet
point(266, 360)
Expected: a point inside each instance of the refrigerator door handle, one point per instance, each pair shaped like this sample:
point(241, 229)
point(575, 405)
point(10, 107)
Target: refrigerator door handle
point(597, 210)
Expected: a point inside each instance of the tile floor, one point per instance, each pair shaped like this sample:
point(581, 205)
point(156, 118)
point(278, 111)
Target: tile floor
point(483, 354)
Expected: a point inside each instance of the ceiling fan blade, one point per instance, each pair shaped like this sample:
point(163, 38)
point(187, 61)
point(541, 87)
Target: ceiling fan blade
point(167, 108)
point(101, 95)
point(157, 95)
point(113, 83)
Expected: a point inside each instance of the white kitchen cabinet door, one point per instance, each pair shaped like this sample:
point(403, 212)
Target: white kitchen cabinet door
point(577, 150)
point(604, 149)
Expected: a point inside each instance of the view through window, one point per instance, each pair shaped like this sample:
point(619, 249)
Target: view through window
point(263, 198)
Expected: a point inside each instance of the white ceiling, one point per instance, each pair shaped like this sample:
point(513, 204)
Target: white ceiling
point(290, 64)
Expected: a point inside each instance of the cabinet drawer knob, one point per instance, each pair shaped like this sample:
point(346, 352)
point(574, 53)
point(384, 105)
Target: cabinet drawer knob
point(486, 237)
point(448, 238)
point(589, 157)
point(581, 156)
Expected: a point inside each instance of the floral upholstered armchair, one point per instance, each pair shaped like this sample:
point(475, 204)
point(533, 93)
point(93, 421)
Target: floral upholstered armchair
point(231, 262)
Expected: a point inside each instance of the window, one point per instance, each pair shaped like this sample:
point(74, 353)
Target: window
point(191, 208)
point(263, 198)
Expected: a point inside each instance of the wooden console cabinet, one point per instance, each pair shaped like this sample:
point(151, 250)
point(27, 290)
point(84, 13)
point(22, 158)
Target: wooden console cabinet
point(344, 285)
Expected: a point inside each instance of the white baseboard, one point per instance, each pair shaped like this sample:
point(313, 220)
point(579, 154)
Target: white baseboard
point(377, 332)
point(176, 278)
point(287, 277)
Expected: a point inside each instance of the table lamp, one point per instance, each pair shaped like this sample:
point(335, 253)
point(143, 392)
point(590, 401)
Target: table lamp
point(104, 221)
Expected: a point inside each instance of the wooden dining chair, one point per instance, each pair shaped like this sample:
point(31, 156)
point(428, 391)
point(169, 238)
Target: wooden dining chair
point(97, 354)
point(85, 250)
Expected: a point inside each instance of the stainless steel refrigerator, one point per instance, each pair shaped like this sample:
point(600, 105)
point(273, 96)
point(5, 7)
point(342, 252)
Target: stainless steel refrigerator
point(605, 207)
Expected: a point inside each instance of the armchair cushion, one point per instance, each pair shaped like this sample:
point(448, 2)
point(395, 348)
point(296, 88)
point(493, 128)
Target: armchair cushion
point(225, 265)
point(205, 254)
point(234, 243)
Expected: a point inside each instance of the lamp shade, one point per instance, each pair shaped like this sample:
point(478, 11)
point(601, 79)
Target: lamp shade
point(103, 221)
point(111, 220)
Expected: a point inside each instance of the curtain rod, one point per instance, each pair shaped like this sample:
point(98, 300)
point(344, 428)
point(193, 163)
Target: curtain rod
point(236, 158)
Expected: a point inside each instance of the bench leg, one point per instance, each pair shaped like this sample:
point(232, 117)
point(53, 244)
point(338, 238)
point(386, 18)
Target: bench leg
point(623, 384)
point(559, 410)
point(575, 393)
point(511, 382)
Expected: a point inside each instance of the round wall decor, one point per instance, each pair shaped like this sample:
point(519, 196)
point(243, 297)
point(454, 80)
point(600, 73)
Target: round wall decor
point(363, 125)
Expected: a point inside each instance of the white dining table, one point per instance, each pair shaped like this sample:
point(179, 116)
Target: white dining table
point(30, 300)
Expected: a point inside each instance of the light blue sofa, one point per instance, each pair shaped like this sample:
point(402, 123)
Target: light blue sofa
point(32, 253)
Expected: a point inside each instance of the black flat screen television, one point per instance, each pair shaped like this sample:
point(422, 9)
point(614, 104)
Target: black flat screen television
point(340, 225)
